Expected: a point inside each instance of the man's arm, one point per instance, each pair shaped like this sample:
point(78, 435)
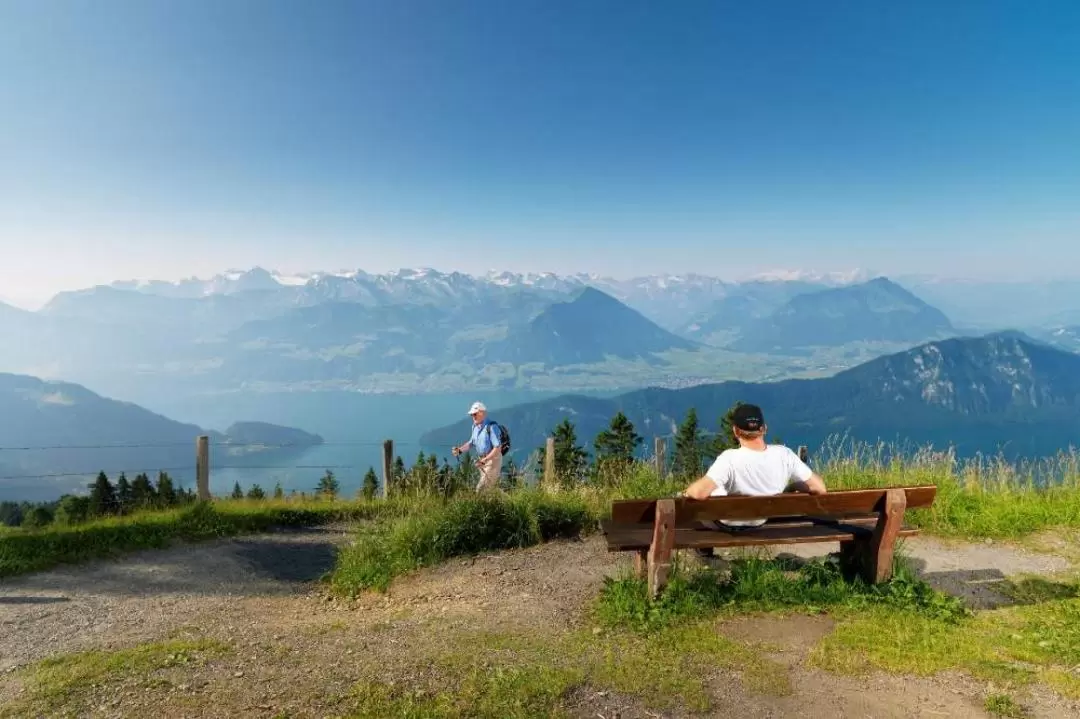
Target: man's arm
point(813, 485)
point(701, 489)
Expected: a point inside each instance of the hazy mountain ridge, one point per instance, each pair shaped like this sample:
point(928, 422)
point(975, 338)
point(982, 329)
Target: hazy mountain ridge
point(988, 393)
point(876, 311)
point(51, 427)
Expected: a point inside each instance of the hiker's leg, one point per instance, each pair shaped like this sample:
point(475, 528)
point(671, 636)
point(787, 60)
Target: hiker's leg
point(489, 474)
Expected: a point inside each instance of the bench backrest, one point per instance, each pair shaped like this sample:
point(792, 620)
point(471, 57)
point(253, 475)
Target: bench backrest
point(836, 505)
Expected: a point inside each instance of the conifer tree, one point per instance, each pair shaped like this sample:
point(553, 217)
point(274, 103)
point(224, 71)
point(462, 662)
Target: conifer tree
point(37, 517)
point(102, 497)
point(615, 447)
point(686, 463)
point(124, 494)
point(370, 486)
point(142, 492)
point(725, 437)
point(166, 494)
point(328, 486)
point(571, 458)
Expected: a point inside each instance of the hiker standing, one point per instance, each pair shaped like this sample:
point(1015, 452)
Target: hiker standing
point(487, 440)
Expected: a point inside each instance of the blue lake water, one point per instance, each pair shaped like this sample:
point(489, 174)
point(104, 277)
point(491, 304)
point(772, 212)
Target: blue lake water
point(353, 426)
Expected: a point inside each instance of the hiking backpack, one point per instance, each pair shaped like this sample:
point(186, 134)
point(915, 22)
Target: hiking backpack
point(504, 446)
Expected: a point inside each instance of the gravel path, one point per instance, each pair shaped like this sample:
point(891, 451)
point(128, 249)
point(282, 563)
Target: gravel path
point(293, 652)
point(144, 595)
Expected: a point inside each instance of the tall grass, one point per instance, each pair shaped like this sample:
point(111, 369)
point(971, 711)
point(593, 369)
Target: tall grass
point(977, 498)
point(462, 526)
point(24, 551)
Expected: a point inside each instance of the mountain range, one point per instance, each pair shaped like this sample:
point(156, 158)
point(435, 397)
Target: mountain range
point(60, 428)
point(1002, 392)
point(422, 330)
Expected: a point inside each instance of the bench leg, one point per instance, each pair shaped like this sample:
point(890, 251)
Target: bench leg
point(662, 548)
point(872, 556)
point(641, 563)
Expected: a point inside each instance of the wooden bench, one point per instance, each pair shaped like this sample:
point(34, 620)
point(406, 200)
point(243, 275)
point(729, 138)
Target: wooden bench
point(866, 523)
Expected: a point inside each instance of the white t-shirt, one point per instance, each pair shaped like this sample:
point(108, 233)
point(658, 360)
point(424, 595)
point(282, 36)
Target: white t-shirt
point(754, 473)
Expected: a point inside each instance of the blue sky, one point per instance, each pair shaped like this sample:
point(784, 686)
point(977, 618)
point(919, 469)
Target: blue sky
point(164, 139)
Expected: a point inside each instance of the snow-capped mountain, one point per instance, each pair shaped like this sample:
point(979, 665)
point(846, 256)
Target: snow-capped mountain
point(668, 299)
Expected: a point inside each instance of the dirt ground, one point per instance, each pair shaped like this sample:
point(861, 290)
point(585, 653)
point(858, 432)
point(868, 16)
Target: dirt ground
point(297, 653)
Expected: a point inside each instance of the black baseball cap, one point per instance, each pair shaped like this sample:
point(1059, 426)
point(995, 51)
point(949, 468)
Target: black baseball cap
point(748, 417)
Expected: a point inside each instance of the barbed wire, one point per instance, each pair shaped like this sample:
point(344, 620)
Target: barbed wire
point(220, 445)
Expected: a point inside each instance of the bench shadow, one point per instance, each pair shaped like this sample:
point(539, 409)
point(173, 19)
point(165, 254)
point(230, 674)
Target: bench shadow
point(978, 588)
point(33, 600)
point(294, 562)
point(991, 589)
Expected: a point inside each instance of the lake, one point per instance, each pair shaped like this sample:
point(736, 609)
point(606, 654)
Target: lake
point(353, 426)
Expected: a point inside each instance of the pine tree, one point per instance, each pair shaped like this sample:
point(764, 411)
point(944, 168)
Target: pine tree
point(124, 494)
point(571, 459)
point(686, 463)
point(328, 486)
point(102, 497)
point(725, 436)
point(615, 447)
point(256, 492)
point(10, 514)
point(72, 510)
point(38, 517)
point(370, 486)
point(166, 494)
point(142, 492)
point(278, 492)
point(237, 493)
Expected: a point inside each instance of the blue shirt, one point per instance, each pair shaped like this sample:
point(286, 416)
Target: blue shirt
point(484, 441)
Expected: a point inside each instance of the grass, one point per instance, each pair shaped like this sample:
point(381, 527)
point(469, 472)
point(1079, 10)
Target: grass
point(755, 584)
point(56, 682)
point(977, 498)
point(462, 526)
point(27, 551)
point(1003, 705)
point(1013, 646)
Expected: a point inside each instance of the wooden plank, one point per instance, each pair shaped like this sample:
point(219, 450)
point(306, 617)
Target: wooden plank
point(662, 546)
point(387, 466)
point(883, 542)
point(202, 468)
point(869, 521)
point(833, 504)
point(660, 456)
point(638, 539)
point(549, 463)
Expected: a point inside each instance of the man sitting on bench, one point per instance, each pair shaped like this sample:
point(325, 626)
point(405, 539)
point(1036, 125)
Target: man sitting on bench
point(753, 469)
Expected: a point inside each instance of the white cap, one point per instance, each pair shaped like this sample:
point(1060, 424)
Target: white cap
point(477, 407)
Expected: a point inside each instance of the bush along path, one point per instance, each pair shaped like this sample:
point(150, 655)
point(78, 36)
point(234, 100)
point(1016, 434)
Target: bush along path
point(506, 606)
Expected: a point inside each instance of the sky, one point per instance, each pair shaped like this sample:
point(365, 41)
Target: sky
point(150, 139)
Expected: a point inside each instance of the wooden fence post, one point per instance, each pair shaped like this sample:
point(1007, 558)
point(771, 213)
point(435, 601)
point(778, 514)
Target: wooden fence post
point(549, 463)
point(202, 467)
point(660, 450)
point(387, 465)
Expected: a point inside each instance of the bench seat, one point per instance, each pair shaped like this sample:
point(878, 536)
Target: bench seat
point(623, 539)
point(866, 523)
